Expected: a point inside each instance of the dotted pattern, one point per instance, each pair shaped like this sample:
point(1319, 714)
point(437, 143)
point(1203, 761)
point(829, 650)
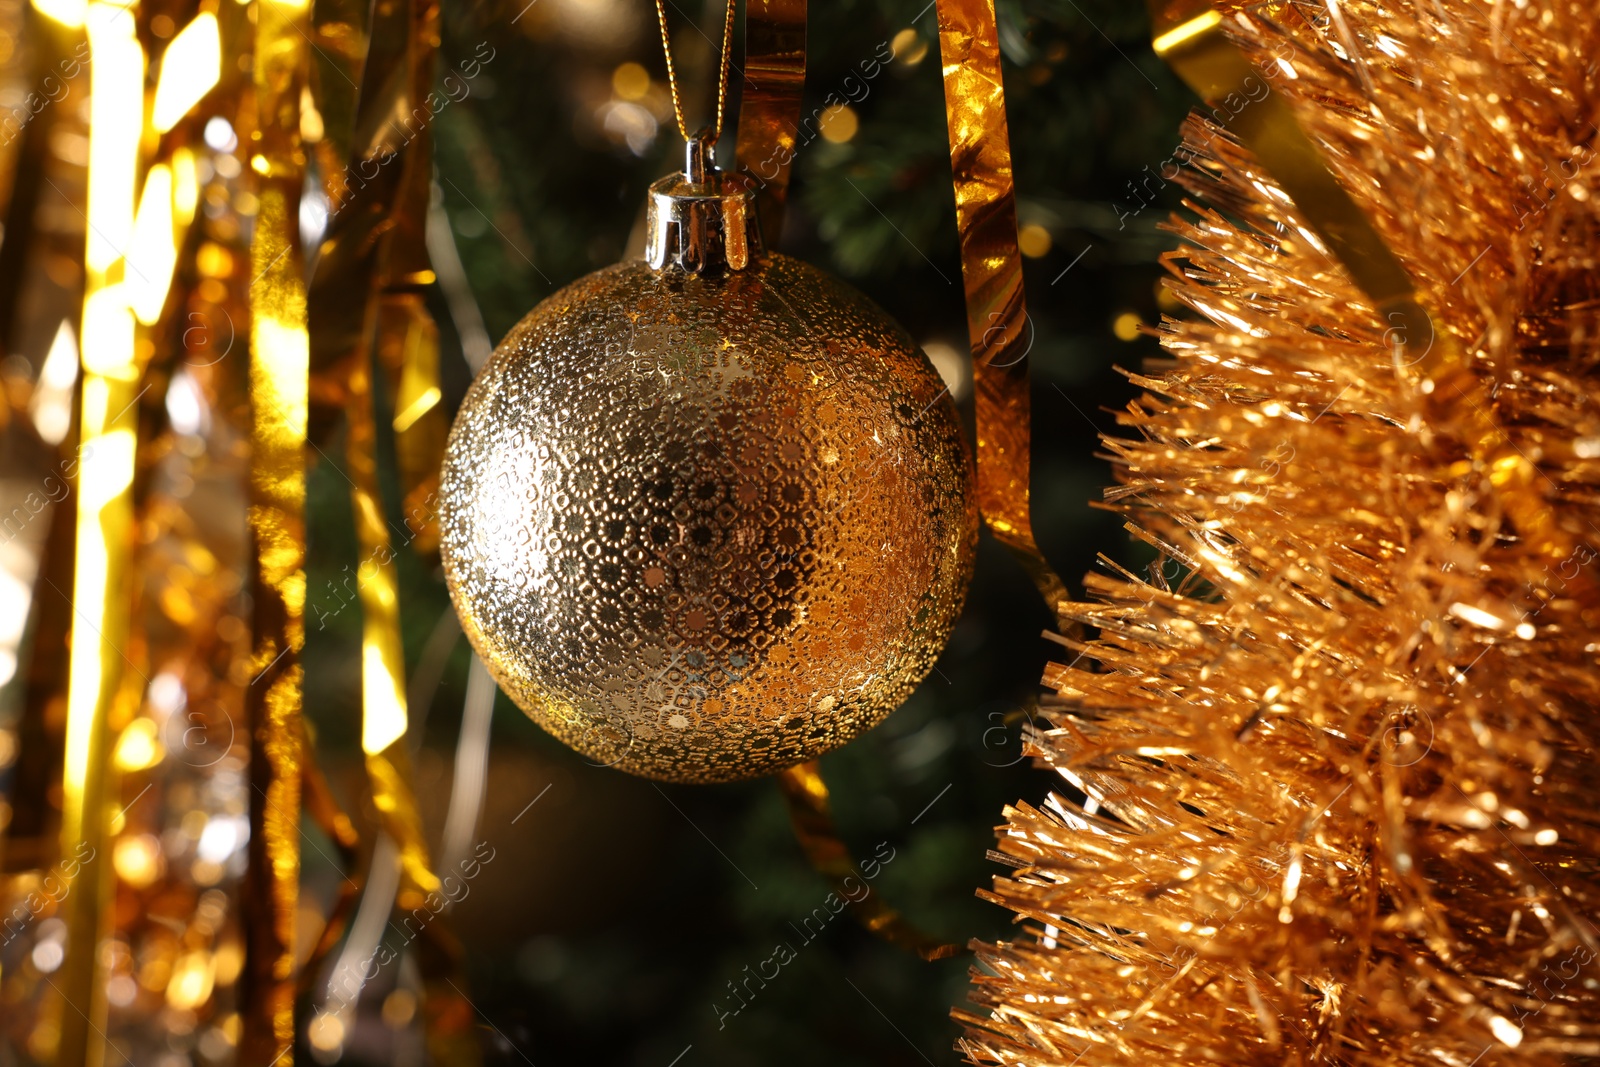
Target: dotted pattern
point(703, 529)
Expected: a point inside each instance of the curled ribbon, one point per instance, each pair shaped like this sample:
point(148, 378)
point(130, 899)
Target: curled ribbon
point(991, 271)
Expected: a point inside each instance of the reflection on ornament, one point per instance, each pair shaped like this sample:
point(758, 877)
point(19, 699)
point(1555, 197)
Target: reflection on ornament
point(711, 517)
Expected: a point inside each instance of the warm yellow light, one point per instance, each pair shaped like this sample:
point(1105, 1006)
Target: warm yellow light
point(630, 81)
point(104, 472)
point(137, 860)
point(51, 404)
point(153, 253)
point(1033, 240)
point(838, 123)
point(83, 661)
point(139, 748)
point(228, 962)
point(285, 353)
point(108, 334)
point(326, 1032)
point(312, 128)
point(192, 978)
point(908, 47)
point(67, 12)
point(116, 116)
point(190, 68)
point(185, 186)
point(1505, 1031)
point(214, 261)
point(419, 407)
point(399, 1008)
point(1185, 32)
point(383, 712)
point(108, 471)
point(1126, 326)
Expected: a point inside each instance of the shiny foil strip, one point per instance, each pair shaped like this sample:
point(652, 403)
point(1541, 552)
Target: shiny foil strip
point(104, 542)
point(373, 263)
point(408, 338)
point(1190, 35)
point(368, 311)
point(810, 813)
point(384, 718)
point(384, 726)
point(769, 107)
point(323, 809)
point(408, 352)
point(991, 270)
point(382, 221)
point(279, 370)
point(385, 723)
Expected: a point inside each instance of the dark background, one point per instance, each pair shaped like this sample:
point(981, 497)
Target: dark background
point(615, 913)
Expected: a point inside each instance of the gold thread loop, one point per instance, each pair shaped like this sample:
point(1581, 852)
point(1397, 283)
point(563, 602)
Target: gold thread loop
point(722, 74)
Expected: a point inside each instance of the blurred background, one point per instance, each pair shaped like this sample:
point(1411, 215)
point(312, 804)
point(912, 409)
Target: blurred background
point(615, 921)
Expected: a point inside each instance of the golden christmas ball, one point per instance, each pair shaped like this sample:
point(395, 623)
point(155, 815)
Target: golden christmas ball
point(708, 515)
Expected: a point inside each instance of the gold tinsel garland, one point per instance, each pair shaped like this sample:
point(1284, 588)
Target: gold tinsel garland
point(1332, 794)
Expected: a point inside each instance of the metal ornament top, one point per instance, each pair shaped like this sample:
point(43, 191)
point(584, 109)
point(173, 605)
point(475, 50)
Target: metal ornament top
point(701, 221)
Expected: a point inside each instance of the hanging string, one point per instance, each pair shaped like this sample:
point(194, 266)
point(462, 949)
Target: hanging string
point(722, 76)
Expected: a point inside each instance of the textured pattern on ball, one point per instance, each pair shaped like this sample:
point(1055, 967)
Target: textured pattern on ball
point(703, 529)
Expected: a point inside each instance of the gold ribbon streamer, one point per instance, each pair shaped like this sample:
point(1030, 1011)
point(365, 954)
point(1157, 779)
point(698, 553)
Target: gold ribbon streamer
point(323, 809)
point(379, 221)
point(807, 797)
point(448, 1019)
point(375, 250)
point(769, 105)
point(408, 338)
point(273, 698)
point(383, 694)
point(368, 310)
point(1188, 35)
point(103, 557)
point(104, 538)
point(991, 270)
point(408, 351)
point(279, 372)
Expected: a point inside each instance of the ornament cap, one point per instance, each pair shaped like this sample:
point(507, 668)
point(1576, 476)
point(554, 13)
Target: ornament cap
point(702, 221)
